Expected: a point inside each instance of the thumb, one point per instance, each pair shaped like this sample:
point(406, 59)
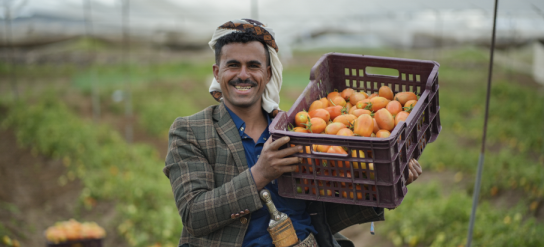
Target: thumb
point(268, 142)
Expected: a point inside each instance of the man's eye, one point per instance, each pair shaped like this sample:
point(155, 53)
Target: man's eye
point(232, 65)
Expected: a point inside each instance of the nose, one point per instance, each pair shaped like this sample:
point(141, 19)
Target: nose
point(243, 73)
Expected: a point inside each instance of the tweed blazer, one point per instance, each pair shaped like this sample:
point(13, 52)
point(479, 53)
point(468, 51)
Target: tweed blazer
point(210, 179)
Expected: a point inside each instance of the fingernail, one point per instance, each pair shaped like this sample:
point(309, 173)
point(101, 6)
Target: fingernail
point(286, 138)
point(299, 147)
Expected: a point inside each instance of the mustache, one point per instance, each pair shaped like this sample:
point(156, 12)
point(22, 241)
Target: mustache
point(240, 81)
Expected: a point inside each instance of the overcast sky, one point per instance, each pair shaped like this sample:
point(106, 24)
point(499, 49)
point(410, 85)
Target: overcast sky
point(293, 18)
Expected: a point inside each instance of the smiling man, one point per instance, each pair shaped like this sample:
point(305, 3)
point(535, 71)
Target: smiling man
point(220, 158)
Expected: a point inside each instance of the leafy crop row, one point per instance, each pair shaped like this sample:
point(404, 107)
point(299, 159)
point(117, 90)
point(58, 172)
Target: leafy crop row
point(429, 218)
point(109, 168)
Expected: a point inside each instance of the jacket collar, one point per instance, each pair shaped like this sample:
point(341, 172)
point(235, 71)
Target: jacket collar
point(229, 133)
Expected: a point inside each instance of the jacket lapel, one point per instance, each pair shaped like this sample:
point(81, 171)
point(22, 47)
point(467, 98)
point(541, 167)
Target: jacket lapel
point(228, 132)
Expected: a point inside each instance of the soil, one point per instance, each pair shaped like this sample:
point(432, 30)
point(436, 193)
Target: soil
point(361, 236)
point(32, 198)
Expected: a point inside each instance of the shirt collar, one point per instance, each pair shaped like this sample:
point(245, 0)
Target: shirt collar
point(240, 124)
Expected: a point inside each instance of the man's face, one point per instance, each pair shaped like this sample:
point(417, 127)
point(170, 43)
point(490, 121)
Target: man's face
point(242, 73)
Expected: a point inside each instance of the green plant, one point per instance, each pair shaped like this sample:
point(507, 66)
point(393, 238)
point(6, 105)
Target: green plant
point(428, 217)
point(109, 168)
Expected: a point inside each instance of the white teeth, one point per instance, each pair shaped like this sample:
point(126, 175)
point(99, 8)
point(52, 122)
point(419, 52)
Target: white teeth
point(243, 88)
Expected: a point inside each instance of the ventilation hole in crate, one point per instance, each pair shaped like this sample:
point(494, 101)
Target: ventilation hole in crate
point(396, 89)
point(368, 85)
point(375, 86)
point(353, 72)
point(403, 88)
point(402, 157)
point(418, 78)
point(411, 88)
point(302, 186)
point(403, 76)
point(347, 83)
point(362, 85)
point(410, 77)
point(354, 83)
point(346, 71)
point(418, 89)
point(361, 73)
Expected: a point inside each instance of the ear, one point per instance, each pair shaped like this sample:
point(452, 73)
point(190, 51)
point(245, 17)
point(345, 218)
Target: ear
point(215, 68)
point(269, 73)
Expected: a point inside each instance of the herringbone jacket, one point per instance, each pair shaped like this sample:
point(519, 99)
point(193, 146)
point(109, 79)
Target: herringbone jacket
point(210, 179)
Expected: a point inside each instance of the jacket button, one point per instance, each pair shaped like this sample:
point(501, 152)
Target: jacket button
point(243, 220)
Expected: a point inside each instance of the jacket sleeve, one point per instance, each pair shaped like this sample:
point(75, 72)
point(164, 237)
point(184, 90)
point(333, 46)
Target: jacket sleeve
point(341, 216)
point(203, 207)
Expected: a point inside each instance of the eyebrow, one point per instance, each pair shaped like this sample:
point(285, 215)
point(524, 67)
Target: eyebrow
point(232, 61)
point(254, 62)
point(238, 62)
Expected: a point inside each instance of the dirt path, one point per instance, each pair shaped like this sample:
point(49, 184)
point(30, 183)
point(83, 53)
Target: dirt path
point(361, 237)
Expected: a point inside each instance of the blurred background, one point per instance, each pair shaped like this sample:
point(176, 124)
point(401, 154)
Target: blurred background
point(89, 89)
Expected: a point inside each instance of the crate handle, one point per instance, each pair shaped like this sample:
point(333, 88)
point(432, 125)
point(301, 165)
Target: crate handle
point(381, 71)
point(329, 154)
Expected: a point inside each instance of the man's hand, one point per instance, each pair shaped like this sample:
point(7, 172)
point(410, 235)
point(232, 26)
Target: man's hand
point(415, 170)
point(273, 163)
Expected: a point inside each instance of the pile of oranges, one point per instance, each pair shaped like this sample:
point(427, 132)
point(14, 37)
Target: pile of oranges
point(350, 113)
point(73, 230)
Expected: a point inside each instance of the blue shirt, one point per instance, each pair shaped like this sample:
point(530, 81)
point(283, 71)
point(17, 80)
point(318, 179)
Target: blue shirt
point(256, 234)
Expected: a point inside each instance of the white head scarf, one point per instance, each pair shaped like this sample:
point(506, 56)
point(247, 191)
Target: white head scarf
point(271, 95)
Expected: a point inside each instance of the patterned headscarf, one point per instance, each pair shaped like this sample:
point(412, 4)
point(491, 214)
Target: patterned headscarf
point(271, 95)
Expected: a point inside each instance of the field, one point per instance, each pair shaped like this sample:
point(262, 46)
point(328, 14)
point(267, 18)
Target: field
point(59, 162)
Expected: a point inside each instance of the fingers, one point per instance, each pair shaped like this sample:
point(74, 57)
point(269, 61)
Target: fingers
point(414, 170)
point(415, 173)
point(242, 213)
point(417, 166)
point(289, 151)
point(287, 169)
point(410, 177)
point(275, 145)
point(267, 143)
point(289, 161)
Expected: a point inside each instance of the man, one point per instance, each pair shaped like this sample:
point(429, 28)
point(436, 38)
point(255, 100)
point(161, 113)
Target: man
point(220, 158)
